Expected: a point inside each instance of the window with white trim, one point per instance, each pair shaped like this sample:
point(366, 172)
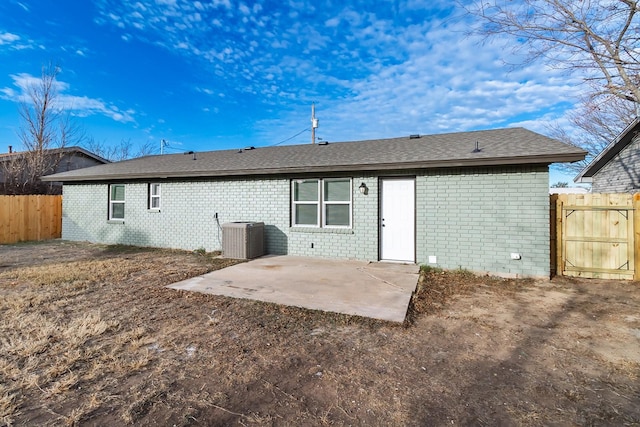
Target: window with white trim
point(116, 201)
point(323, 203)
point(336, 202)
point(154, 196)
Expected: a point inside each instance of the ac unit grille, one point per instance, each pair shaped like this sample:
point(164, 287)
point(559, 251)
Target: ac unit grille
point(243, 240)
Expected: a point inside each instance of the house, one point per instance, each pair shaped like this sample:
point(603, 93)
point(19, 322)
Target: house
point(474, 200)
point(617, 168)
point(20, 170)
point(568, 190)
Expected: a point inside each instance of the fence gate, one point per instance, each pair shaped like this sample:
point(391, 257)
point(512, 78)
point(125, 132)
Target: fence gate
point(596, 235)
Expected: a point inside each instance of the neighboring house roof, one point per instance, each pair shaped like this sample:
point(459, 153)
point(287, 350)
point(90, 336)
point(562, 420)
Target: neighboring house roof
point(568, 190)
point(610, 151)
point(496, 147)
point(66, 150)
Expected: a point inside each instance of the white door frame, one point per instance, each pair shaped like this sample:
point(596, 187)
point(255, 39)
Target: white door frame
point(400, 229)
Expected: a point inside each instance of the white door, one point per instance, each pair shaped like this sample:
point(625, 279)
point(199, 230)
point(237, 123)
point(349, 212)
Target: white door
point(397, 220)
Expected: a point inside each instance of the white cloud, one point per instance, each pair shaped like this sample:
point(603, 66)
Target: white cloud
point(332, 22)
point(8, 38)
point(442, 82)
point(224, 3)
point(8, 93)
point(80, 106)
point(244, 9)
point(15, 42)
point(205, 90)
point(402, 67)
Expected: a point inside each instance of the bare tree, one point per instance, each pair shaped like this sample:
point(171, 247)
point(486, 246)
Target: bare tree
point(45, 130)
point(124, 150)
point(600, 38)
point(596, 123)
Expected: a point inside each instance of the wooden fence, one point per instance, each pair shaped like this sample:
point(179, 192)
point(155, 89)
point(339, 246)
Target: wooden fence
point(596, 235)
point(24, 218)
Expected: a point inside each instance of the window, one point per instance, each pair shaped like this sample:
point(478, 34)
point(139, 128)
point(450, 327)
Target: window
point(336, 194)
point(116, 201)
point(321, 202)
point(306, 202)
point(154, 196)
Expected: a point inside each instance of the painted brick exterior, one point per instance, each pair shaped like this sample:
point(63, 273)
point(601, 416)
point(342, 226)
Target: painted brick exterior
point(186, 218)
point(468, 218)
point(622, 173)
point(476, 219)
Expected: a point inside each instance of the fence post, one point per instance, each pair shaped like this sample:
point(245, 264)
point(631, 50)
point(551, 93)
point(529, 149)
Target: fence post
point(636, 236)
point(559, 234)
point(552, 234)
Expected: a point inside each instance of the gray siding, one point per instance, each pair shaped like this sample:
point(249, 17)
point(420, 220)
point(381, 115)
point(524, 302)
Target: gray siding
point(74, 160)
point(466, 218)
point(622, 173)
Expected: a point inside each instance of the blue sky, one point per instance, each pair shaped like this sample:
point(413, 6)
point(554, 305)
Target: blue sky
point(215, 74)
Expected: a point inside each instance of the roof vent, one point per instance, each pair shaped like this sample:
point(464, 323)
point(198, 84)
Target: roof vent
point(477, 149)
point(251, 147)
point(323, 143)
point(415, 136)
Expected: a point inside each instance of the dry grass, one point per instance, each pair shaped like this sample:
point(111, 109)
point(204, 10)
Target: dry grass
point(55, 337)
point(437, 287)
point(90, 335)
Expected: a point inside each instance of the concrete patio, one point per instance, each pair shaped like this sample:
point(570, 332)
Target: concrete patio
point(377, 290)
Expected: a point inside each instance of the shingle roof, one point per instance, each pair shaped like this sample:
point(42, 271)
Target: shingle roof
point(73, 149)
point(610, 151)
point(497, 147)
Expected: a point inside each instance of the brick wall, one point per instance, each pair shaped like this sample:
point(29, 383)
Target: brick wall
point(360, 242)
point(471, 218)
point(475, 219)
point(622, 173)
point(186, 219)
point(187, 216)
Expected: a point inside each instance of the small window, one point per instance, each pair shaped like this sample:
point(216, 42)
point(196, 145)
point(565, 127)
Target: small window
point(154, 196)
point(116, 201)
point(321, 203)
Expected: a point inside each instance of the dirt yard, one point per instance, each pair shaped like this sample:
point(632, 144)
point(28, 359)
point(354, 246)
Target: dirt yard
point(89, 335)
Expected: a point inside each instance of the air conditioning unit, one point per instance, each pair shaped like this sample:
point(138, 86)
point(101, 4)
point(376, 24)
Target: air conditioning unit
point(243, 240)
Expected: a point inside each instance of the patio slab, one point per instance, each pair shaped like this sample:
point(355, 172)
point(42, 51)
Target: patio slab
point(377, 290)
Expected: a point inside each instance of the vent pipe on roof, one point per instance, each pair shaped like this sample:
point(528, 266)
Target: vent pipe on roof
point(10, 149)
point(477, 149)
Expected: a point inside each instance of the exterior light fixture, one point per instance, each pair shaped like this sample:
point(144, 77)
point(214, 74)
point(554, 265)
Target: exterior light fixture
point(363, 188)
